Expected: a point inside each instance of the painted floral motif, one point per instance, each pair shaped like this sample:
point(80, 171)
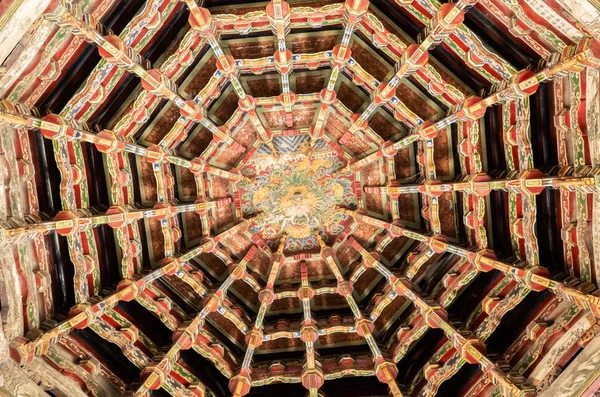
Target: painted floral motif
point(297, 192)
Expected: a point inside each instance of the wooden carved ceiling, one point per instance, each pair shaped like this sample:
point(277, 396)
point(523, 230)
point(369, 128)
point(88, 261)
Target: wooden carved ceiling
point(386, 198)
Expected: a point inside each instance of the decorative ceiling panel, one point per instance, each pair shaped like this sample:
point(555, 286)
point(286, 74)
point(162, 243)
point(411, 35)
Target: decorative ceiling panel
point(335, 198)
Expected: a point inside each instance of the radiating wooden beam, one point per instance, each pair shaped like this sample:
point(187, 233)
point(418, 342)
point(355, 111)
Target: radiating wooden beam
point(526, 182)
point(69, 222)
point(55, 127)
point(525, 83)
point(385, 370)
point(446, 20)
point(154, 376)
point(23, 350)
point(312, 373)
point(341, 54)
point(468, 346)
point(535, 277)
point(240, 384)
point(114, 50)
point(201, 21)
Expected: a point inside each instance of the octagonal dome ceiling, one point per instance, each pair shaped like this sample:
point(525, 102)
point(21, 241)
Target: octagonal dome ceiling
point(299, 198)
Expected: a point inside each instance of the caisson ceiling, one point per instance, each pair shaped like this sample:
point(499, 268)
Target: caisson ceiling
point(305, 198)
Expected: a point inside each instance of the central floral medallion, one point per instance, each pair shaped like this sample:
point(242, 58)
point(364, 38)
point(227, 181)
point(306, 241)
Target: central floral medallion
point(296, 192)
